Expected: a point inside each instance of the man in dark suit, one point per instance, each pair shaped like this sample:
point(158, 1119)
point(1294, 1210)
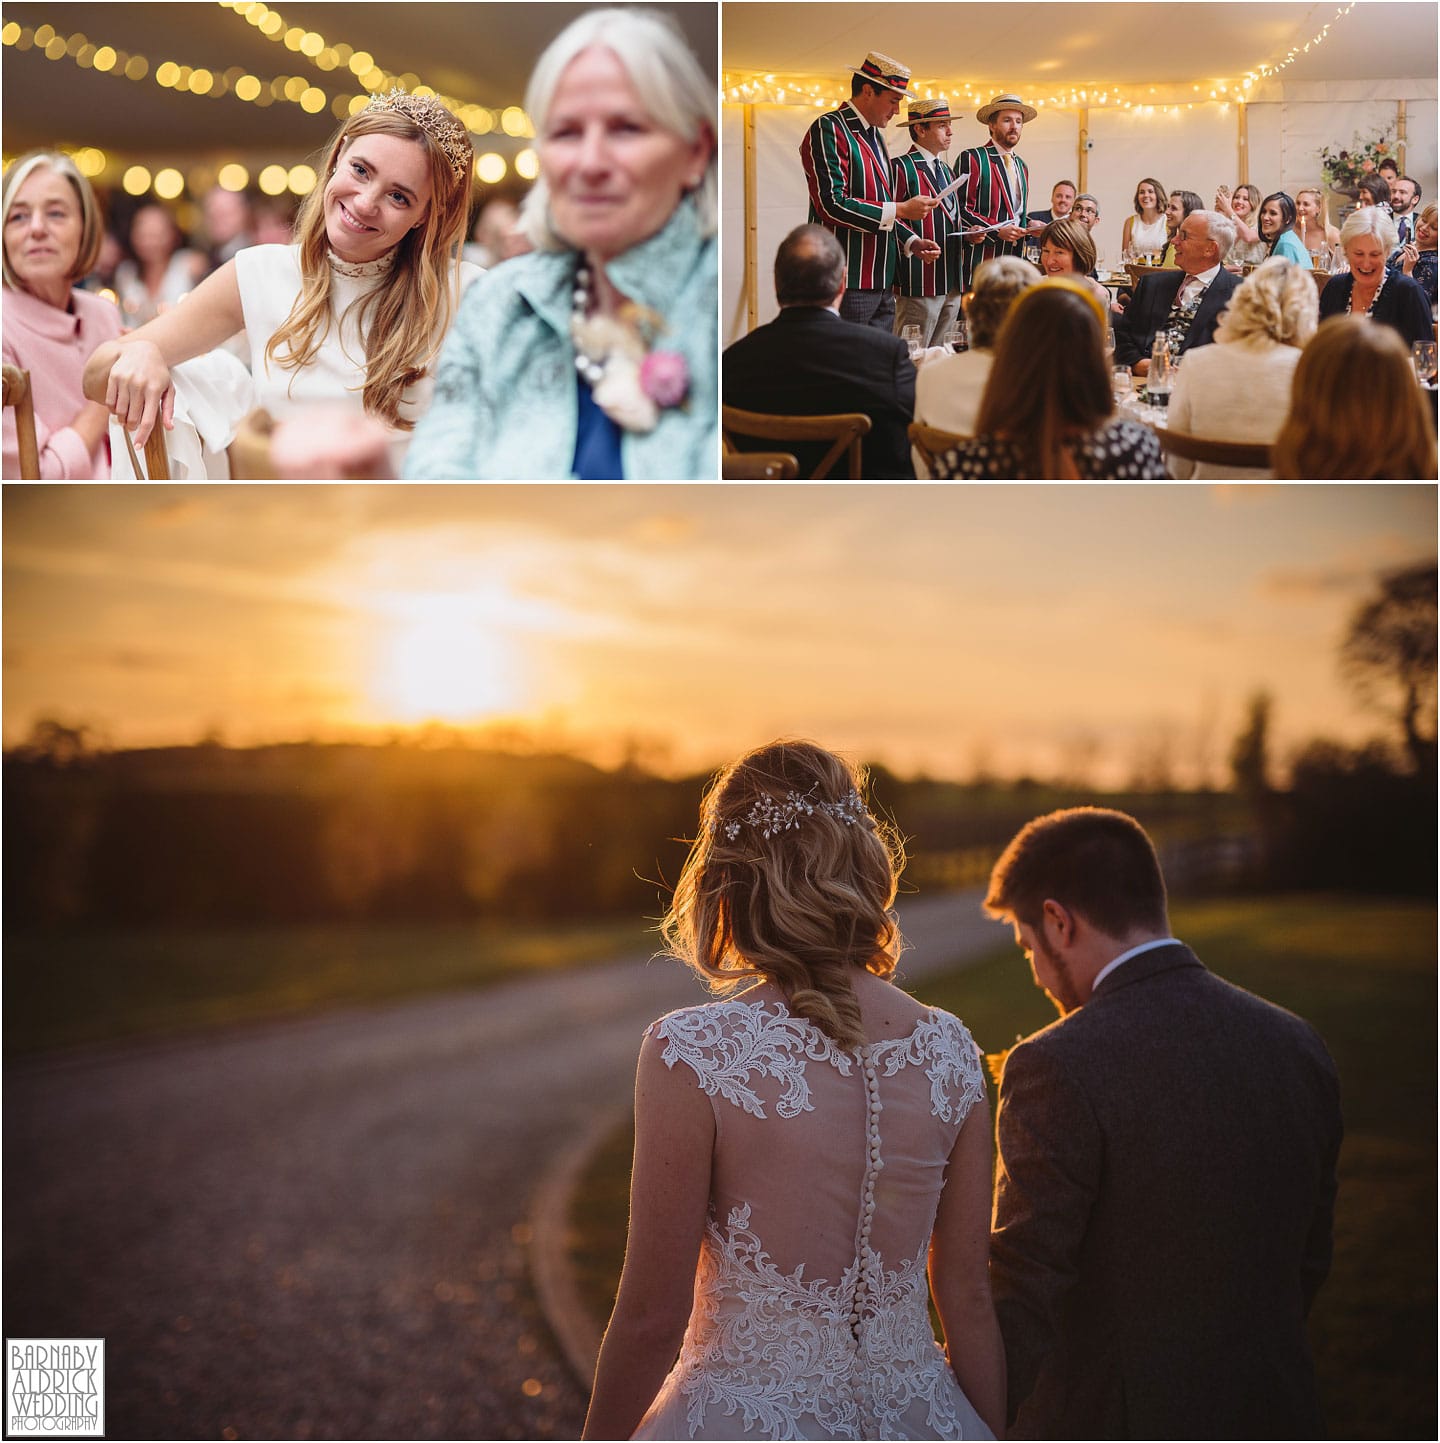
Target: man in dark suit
point(1187, 302)
point(808, 362)
point(1166, 1176)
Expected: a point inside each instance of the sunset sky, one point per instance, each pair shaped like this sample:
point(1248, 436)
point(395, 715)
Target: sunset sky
point(1011, 627)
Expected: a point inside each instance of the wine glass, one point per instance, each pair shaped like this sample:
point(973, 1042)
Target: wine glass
point(1423, 353)
point(955, 334)
point(911, 336)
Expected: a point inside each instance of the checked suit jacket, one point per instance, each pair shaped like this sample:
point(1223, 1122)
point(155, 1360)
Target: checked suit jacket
point(986, 199)
point(914, 173)
point(1163, 1208)
point(1150, 308)
point(849, 182)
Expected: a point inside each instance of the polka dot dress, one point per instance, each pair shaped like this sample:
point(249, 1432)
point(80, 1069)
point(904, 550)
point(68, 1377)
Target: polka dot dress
point(1118, 451)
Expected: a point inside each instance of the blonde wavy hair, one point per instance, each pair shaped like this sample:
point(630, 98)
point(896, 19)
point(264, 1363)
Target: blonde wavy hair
point(404, 318)
point(1276, 301)
point(800, 908)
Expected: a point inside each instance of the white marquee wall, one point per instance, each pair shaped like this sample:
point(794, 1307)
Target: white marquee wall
point(1195, 148)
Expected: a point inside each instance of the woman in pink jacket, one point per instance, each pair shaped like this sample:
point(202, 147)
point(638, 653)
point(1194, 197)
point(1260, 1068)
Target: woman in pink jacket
point(52, 235)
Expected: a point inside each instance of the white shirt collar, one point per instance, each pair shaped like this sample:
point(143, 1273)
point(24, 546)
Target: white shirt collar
point(1109, 967)
point(1203, 276)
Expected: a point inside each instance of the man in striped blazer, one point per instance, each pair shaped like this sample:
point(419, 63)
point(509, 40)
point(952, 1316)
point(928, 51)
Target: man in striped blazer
point(995, 199)
point(847, 169)
point(928, 292)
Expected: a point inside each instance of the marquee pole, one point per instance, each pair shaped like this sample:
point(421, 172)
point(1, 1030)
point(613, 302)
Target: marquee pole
point(1082, 162)
point(1242, 144)
point(1400, 135)
point(752, 226)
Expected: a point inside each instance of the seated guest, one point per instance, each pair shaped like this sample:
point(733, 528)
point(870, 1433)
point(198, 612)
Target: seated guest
point(1373, 190)
point(1390, 297)
point(948, 390)
point(160, 270)
point(1067, 250)
point(1243, 207)
point(1186, 302)
point(1312, 225)
point(52, 231)
point(1146, 232)
point(1417, 260)
point(809, 362)
point(1181, 204)
point(1404, 202)
point(1047, 412)
point(1086, 211)
point(1062, 202)
point(1239, 388)
point(1277, 229)
point(1389, 169)
point(1356, 413)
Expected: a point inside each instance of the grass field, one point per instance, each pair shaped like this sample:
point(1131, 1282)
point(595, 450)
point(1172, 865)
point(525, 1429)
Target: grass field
point(70, 988)
point(1364, 972)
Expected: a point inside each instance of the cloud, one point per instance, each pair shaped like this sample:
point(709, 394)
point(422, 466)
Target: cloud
point(1297, 583)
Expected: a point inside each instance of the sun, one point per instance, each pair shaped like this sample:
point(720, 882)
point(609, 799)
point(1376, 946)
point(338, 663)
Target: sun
point(444, 657)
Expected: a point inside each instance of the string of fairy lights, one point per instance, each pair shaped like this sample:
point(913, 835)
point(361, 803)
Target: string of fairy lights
point(753, 88)
point(356, 76)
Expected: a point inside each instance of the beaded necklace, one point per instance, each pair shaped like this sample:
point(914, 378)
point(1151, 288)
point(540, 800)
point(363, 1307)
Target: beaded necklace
point(1350, 304)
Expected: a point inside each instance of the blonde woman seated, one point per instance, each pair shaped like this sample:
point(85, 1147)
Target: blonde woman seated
point(1243, 207)
point(802, 1148)
point(1351, 375)
point(1239, 388)
point(349, 319)
point(948, 389)
point(1317, 235)
point(1047, 412)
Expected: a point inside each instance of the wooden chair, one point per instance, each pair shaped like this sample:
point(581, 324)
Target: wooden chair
point(17, 394)
point(157, 458)
point(1251, 455)
point(250, 450)
point(931, 442)
point(1138, 273)
point(758, 466)
point(844, 430)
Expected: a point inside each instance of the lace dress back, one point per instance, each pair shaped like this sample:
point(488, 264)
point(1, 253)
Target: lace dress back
point(810, 1317)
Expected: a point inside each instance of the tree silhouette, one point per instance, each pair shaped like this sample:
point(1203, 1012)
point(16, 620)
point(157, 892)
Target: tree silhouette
point(1388, 656)
point(1250, 753)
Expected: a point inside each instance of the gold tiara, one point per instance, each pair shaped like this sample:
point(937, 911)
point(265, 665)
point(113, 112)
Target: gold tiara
point(435, 120)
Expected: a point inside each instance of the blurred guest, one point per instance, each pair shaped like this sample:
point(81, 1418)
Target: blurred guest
point(101, 278)
point(495, 222)
point(1277, 229)
point(1087, 211)
point(160, 270)
point(52, 232)
point(1389, 169)
point(1180, 204)
point(1047, 412)
point(1062, 203)
point(948, 389)
point(1356, 412)
point(593, 358)
point(1404, 197)
point(1067, 250)
point(1184, 303)
point(1389, 296)
point(1417, 260)
point(351, 316)
point(274, 224)
point(809, 361)
point(229, 224)
point(1239, 388)
point(1373, 190)
point(1312, 224)
point(1243, 207)
point(1146, 231)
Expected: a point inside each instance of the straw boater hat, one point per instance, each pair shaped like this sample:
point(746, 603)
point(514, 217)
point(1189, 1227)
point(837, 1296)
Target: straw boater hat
point(1005, 102)
point(884, 72)
point(921, 111)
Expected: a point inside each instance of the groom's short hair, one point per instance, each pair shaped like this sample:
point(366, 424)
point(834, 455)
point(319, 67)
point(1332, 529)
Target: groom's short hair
point(1097, 862)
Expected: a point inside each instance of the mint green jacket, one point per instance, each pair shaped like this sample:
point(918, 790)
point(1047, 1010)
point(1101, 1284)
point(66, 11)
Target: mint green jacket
point(506, 400)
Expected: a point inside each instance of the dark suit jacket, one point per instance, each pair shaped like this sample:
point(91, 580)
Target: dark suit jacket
point(808, 362)
point(1163, 1211)
point(1149, 309)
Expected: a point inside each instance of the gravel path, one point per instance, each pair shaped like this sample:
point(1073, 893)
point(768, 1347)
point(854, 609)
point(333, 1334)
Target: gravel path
point(316, 1229)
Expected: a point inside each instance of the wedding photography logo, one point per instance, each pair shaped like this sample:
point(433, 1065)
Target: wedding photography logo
point(54, 1387)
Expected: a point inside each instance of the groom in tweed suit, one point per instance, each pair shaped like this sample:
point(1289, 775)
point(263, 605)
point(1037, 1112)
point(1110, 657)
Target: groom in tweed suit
point(928, 292)
point(1166, 1176)
point(847, 169)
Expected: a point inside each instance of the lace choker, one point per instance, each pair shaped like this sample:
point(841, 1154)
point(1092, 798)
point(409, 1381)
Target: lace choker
point(362, 270)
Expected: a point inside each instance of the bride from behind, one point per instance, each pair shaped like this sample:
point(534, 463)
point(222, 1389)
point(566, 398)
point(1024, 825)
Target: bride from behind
point(802, 1149)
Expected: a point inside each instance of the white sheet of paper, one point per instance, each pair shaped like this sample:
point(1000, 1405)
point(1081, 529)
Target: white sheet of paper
point(955, 185)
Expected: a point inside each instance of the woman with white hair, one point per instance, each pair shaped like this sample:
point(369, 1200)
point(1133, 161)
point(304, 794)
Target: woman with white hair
point(1239, 388)
point(1389, 296)
point(594, 357)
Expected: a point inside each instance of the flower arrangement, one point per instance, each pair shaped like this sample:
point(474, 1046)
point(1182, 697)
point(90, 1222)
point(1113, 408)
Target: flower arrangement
point(1346, 167)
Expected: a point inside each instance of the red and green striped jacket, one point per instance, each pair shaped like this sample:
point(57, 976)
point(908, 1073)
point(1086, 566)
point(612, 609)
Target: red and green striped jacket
point(849, 186)
point(985, 199)
point(910, 174)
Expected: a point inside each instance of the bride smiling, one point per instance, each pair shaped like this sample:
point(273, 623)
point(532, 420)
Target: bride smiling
point(352, 314)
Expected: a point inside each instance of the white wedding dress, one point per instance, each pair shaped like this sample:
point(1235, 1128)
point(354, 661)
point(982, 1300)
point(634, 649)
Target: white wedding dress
point(810, 1317)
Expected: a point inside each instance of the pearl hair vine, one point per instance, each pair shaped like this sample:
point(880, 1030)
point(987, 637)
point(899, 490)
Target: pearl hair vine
point(771, 815)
